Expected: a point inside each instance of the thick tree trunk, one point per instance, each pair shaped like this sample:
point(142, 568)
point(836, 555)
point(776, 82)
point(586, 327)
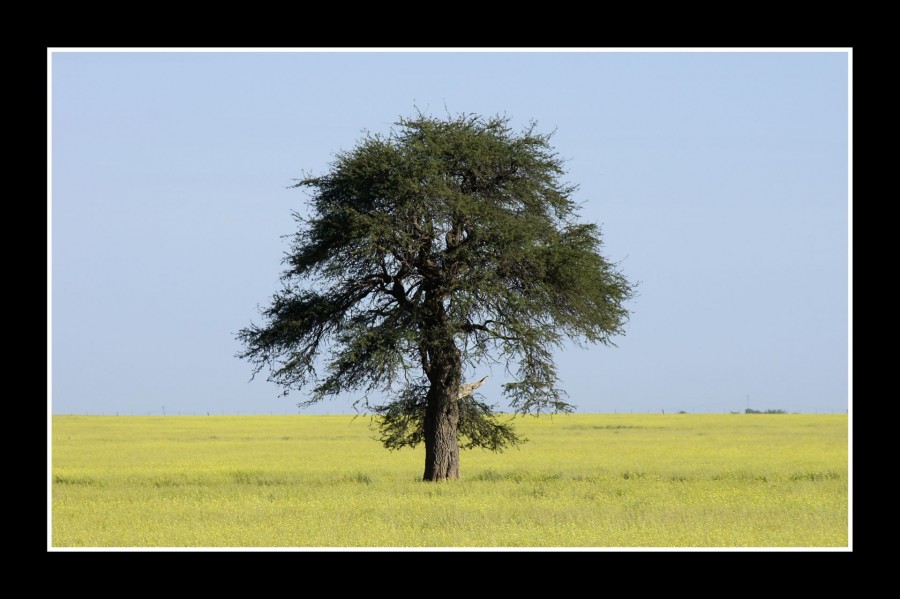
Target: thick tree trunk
point(442, 412)
point(441, 436)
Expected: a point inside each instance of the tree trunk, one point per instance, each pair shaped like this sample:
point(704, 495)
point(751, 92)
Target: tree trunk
point(441, 436)
point(442, 413)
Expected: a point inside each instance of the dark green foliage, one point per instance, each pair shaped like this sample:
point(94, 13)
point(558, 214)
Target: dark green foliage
point(752, 411)
point(449, 240)
point(400, 422)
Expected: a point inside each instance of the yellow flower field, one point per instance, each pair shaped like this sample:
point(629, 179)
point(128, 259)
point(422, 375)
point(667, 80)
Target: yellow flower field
point(595, 481)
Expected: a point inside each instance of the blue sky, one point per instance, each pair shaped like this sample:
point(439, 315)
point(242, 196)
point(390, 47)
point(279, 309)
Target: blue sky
point(719, 180)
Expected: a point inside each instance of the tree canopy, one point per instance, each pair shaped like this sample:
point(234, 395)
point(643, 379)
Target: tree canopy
point(445, 245)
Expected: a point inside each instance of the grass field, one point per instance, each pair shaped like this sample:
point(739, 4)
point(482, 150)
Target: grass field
point(592, 481)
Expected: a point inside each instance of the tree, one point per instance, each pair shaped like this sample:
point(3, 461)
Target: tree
point(444, 245)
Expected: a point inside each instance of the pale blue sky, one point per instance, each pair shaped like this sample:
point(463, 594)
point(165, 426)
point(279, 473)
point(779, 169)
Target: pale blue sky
point(719, 180)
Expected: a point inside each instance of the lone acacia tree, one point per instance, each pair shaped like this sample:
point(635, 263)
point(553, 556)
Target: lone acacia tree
point(447, 244)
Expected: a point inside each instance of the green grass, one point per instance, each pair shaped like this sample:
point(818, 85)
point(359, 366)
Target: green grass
point(597, 481)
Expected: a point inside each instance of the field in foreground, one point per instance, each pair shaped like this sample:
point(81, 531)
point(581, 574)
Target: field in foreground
point(598, 481)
